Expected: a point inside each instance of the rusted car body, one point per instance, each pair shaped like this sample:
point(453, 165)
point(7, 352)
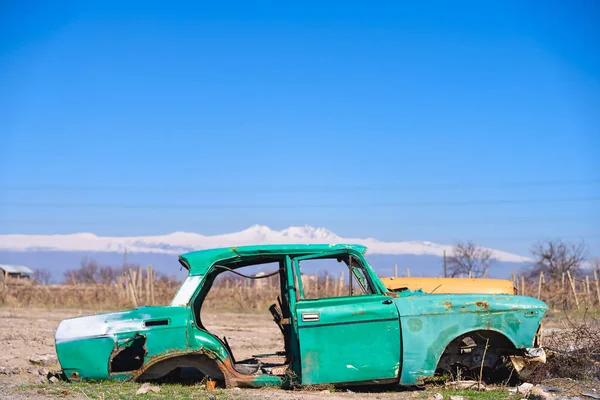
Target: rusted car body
point(369, 335)
point(450, 285)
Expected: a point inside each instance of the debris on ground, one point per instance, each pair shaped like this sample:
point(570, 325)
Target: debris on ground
point(6, 371)
point(466, 385)
point(591, 395)
point(43, 359)
point(457, 398)
point(53, 379)
point(146, 387)
point(38, 371)
point(525, 388)
point(550, 389)
point(436, 396)
point(539, 394)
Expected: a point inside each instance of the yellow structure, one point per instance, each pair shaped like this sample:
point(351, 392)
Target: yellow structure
point(451, 285)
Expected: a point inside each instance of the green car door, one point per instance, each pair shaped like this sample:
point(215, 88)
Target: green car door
point(354, 338)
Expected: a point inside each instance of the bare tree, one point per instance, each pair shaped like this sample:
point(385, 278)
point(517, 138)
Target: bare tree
point(470, 259)
point(555, 257)
point(42, 276)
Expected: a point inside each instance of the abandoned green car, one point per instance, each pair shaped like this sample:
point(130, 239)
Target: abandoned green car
point(365, 335)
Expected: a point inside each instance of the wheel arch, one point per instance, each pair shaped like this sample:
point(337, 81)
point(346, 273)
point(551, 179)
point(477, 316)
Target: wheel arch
point(493, 338)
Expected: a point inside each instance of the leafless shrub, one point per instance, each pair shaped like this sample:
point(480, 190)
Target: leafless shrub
point(574, 351)
point(470, 259)
point(42, 276)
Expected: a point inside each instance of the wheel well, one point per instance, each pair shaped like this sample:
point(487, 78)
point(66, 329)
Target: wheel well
point(475, 349)
point(205, 367)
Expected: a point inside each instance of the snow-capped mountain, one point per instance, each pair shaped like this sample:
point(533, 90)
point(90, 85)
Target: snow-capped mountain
point(180, 242)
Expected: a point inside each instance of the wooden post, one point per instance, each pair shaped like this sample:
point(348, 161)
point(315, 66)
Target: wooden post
point(573, 288)
point(139, 284)
point(522, 285)
point(306, 286)
point(470, 275)
point(407, 272)
point(587, 285)
point(540, 285)
point(132, 287)
point(597, 286)
point(395, 270)
point(148, 273)
point(326, 286)
point(152, 278)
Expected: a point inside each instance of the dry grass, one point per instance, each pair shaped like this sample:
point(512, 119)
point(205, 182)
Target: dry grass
point(245, 295)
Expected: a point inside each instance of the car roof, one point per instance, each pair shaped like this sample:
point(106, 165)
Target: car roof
point(199, 261)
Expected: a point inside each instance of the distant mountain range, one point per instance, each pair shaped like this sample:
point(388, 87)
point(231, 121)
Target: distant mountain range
point(61, 252)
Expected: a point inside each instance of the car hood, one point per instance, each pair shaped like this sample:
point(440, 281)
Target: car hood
point(104, 324)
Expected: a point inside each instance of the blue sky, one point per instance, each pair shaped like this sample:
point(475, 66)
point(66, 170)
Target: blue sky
point(439, 121)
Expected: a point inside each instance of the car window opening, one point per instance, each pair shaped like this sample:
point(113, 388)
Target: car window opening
point(265, 276)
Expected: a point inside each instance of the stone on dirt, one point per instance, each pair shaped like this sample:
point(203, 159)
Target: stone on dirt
point(6, 371)
point(43, 359)
point(538, 394)
point(436, 396)
point(524, 388)
point(457, 398)
point(38, 371)
point(146, 387)
point(53, 379)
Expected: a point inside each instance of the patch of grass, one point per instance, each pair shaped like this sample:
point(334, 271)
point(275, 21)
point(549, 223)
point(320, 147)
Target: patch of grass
point(107, 390)
point(491, 394)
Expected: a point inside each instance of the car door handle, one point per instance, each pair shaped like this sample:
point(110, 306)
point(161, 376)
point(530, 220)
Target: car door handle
point(387, 301)
point(310, 317)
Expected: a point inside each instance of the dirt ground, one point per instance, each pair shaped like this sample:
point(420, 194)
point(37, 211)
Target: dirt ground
point(26, 333)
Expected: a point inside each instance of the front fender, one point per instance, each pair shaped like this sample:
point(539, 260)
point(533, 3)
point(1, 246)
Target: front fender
point(430, 322)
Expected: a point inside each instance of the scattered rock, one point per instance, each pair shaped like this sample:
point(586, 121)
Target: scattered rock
point(322, 391)
point(525, 388)
point(40, 379)
point(146, 387)
point(237, 389)
point(538, 394)
point(550, 389)
point(349, 391)
point(53, 379)
point(436, 396)
point(457, 398)
point(6, 371)
point(38, 371)
point(43, 359)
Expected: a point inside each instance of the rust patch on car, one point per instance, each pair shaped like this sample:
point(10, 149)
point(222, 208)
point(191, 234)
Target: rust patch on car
point(483, 304)
point(448, 305)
